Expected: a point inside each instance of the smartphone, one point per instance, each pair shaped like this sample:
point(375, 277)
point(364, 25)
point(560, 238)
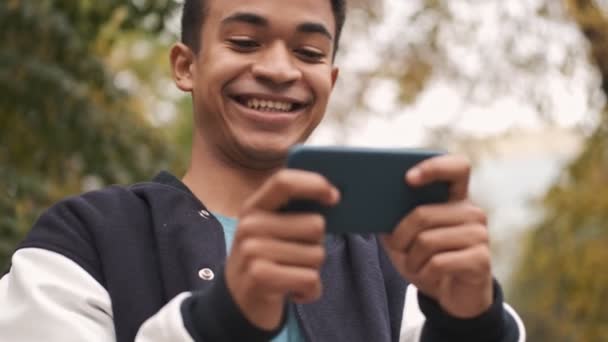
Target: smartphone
point(374, 194)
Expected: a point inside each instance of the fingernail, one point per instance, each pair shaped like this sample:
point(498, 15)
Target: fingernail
point(335, 195)
point(413, 174)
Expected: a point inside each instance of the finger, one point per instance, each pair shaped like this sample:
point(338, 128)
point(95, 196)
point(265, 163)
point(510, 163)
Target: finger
point(296, 227)
point(281, 252)
point(440, 240)
point(398, 258)
point(449, 168)
point(273, 279)
point(472, 264)
point(433, 216)
point(292, 184)
point(305, 298)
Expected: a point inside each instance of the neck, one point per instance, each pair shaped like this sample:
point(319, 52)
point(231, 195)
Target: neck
point(220, 183)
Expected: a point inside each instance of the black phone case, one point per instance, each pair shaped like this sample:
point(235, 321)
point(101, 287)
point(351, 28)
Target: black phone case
point(374, 194)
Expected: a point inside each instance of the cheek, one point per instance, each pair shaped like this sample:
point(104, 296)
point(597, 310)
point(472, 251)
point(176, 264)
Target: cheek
point(322, 86)
point(216, 68)
point(210, 82)
point(321, 83)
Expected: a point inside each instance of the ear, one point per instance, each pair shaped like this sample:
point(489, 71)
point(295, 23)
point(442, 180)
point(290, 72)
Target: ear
point(335, 71)
point(182, 63)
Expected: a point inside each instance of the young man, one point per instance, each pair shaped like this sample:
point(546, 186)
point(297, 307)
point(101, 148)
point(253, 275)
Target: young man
point(210, 258)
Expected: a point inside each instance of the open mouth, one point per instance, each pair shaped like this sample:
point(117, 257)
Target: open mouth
point(264, 105)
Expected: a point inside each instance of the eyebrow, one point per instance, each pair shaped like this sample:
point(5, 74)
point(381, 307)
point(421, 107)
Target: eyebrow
point(314, 28)
point(258, 20)
point(245, 17)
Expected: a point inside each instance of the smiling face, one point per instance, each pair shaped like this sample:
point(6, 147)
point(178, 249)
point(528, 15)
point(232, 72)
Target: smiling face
point(262, 78)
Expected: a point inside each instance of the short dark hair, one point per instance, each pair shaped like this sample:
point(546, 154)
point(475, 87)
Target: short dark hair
point(194, 11)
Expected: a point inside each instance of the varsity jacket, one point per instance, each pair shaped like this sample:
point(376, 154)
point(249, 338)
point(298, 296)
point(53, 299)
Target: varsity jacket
point(145, 263)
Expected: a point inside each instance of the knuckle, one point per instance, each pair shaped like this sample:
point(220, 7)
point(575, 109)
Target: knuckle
point(485, 253)
point(476, 214)
point(317, 295)
point(317, 224)
point(249, 226)
point(465, 163)
point(484, 258)
point(436, 265)
point(421, 216)
point(318, 291)
point(246, 226)
point(419, 212)
point(318, 255)
point(281, 180)
point(250, 249)
point(482, 234)
point(257, 272)
point(425, 241)
point(312, 280)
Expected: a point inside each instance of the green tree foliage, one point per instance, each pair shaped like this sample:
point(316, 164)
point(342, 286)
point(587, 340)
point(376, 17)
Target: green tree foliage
point(64, 124)
point(482, 51)
point(561, 288)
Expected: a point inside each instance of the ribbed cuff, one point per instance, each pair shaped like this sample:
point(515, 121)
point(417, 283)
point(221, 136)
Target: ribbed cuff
point(212, 315)
point(494, 325)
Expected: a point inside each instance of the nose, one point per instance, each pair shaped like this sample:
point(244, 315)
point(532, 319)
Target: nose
point(275, 66)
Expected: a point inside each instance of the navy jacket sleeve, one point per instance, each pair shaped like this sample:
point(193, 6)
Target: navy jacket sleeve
point(494, 325)
point(212, 315)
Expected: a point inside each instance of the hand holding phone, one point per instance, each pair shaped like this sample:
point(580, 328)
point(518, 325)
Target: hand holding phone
point(374, 193)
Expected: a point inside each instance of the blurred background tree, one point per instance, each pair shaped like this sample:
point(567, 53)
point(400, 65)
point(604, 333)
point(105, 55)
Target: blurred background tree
point(66, 125)
point(561, 286)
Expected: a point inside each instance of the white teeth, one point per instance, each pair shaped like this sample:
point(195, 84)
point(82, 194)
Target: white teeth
point(269, 105)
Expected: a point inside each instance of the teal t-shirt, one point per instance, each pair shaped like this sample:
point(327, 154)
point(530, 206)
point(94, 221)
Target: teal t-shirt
point(291, 331)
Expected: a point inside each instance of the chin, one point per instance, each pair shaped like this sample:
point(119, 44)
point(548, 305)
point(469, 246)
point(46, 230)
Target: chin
point(266, 154)
point(269, 152)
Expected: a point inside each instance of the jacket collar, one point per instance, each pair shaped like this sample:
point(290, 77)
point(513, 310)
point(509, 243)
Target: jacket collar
point(166, 178)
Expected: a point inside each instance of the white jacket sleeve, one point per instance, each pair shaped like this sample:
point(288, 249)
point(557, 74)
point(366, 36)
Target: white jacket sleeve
point(48, 297)
point(166, 325)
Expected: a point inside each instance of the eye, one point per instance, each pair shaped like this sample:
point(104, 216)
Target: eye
point(310, 55)
point(244, 44)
